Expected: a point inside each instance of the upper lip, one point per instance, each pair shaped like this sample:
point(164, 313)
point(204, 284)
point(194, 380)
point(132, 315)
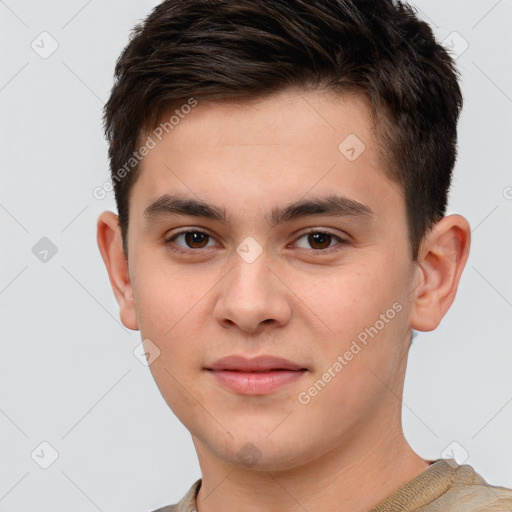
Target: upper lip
point(259, 363)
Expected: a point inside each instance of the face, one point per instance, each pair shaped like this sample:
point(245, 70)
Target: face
point(269, 229)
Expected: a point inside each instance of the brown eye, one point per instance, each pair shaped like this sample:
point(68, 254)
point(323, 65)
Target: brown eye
point(189, 241)
point(319, 240)
point(195, 239)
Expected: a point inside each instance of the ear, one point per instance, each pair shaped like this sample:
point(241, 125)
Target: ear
point(441, 260)
point(111, 248)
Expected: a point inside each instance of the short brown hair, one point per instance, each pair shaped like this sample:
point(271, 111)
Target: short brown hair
point(245, 49)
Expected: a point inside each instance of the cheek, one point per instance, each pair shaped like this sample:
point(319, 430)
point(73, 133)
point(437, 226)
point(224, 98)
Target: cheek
point(167, 305)
point(172, 312)
point(361, 349)
point(163, 295)
point(346, 298)
point(359, 311)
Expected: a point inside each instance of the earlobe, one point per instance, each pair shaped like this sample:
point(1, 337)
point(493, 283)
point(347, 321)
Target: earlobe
point(442, 258)
point(111, 248)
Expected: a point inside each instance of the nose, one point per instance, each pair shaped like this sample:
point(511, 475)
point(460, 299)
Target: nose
point(253, 297)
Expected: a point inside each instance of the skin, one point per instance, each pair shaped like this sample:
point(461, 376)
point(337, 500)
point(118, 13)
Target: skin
point(345, 448)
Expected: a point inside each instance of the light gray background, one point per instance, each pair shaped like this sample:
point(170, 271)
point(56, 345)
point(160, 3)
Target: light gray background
point(68, 375)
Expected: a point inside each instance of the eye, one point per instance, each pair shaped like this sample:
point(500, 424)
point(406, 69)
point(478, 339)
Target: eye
point(321, 241)
point(192, 240)
point(187, 241)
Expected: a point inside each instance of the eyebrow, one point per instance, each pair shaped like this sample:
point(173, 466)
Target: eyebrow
point(333, 205)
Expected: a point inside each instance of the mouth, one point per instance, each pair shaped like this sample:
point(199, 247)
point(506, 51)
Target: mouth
point(257, 376)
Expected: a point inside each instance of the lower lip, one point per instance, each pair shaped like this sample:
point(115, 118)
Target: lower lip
point(256, 383)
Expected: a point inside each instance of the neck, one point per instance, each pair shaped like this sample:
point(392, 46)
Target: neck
point(352, 477)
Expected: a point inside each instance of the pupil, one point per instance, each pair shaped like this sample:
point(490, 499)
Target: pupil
point(193, 238)
point(323, 239)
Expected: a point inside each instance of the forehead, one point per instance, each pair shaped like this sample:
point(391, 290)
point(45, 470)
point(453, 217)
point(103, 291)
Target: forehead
point(279, 149)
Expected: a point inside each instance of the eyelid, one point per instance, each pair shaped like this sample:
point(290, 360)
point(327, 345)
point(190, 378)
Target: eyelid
point(327, 231)
point(342, 240)
point(190, 229)
point(169, 238)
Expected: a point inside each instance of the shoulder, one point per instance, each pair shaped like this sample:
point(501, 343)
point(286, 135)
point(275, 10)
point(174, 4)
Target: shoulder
point(447, 487)
point(469, 491)
point(187, 503)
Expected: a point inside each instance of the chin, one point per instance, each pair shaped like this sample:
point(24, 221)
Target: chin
point(264, 454)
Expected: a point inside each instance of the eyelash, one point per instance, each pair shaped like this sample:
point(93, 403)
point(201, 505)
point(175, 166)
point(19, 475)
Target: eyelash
point(170, 241)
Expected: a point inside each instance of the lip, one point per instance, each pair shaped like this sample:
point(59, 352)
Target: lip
point(255, 376)
point(262, 363)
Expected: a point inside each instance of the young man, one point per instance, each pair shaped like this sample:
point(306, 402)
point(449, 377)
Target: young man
point(281, 170)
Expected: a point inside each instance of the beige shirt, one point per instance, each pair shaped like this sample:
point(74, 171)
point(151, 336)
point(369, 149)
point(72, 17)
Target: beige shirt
point(442, 487)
